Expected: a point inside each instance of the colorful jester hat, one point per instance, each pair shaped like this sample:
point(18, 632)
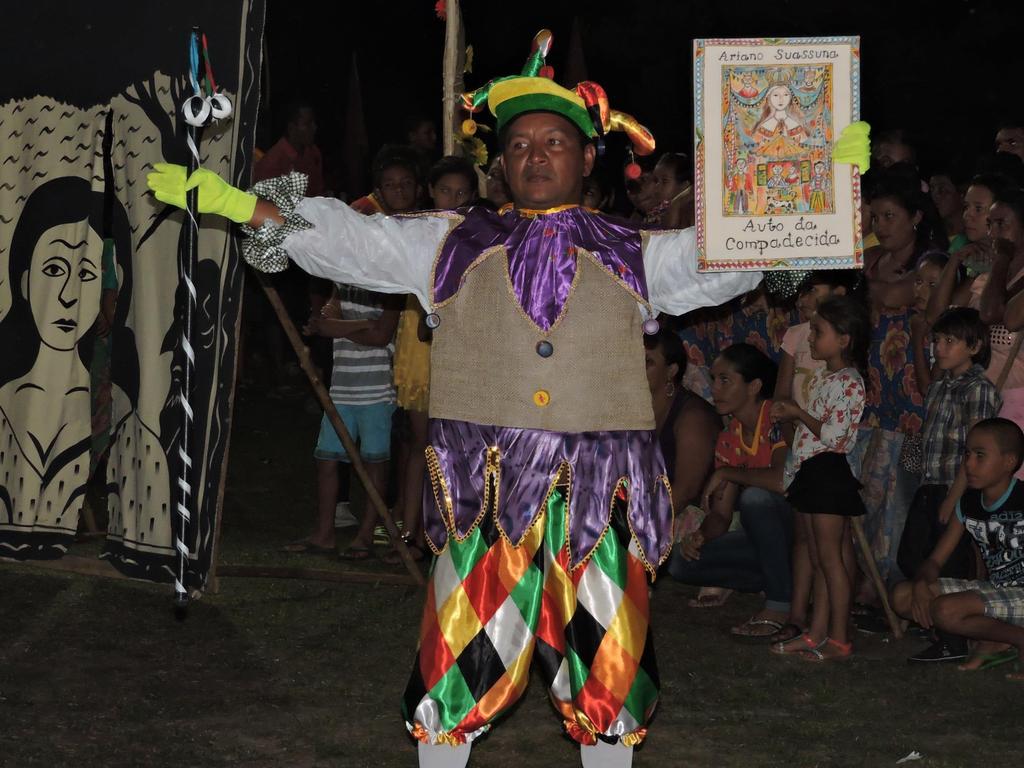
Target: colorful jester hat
point(534, 90)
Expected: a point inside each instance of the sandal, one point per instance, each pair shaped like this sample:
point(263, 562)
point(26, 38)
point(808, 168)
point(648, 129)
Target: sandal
point(786, 633)
point(306, 547)
point(818, 656)
point(862, 609)
point(990, 660)
point(415, 552)
point(355, 552)
point(810, 644)
point(710, 600)
point(748, 630)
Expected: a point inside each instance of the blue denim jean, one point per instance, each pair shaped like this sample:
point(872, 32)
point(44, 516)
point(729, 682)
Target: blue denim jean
point(754, 559)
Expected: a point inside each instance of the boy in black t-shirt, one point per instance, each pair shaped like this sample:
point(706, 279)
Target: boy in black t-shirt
point(991, 510)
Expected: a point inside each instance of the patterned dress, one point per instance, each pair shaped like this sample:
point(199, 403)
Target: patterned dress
point(895, 409)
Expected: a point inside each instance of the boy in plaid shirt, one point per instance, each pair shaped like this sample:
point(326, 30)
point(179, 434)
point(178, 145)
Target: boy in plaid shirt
point(959, 397)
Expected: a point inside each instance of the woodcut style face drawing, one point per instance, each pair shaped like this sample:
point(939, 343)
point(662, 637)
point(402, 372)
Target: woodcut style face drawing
point(63, 283)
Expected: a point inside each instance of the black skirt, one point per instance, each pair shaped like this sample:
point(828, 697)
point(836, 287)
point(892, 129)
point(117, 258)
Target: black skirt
point(825, 485)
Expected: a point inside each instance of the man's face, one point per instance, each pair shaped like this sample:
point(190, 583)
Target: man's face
point(397, 189)
point(1011, 140)
point(545, 161)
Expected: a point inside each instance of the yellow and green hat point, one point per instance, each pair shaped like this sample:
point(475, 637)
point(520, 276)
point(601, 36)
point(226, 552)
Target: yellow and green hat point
point(534, 90)
point(517, 95)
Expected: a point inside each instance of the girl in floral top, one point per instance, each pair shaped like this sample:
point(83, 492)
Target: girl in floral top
point(819, 483)
point(796, 374)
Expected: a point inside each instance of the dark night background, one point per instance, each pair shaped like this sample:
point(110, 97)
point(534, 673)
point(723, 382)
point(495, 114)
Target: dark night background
point(946, 71)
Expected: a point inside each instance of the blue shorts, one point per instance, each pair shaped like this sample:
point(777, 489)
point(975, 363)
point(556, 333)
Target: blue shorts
point(370, 427)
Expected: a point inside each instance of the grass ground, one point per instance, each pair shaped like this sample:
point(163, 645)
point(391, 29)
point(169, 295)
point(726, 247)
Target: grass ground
point(95, 672)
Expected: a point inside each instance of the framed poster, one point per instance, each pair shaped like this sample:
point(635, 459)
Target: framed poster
point(767, 113)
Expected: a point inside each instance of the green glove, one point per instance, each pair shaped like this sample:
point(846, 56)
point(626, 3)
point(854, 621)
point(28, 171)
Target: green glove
point(854, 146)
point(169, 186)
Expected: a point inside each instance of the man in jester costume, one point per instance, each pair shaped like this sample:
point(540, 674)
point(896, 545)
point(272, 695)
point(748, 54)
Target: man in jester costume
point(548, 506)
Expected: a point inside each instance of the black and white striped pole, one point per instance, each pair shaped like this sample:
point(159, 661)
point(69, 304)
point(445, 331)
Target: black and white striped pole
point(198, 110)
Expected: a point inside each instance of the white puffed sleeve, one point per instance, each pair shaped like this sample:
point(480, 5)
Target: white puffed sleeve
point(673, 284)
point(326, 238)
point(390, 254)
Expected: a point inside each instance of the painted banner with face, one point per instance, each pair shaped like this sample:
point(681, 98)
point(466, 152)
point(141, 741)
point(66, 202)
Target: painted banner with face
point(89, 299)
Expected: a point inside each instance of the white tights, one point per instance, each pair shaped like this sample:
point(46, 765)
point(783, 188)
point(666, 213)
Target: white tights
point(443, 756)
point(601, 755)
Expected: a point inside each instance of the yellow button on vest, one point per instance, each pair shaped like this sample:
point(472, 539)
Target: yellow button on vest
point(541, 398)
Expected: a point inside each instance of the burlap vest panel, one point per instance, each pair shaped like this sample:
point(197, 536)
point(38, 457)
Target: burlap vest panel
point(485, 368)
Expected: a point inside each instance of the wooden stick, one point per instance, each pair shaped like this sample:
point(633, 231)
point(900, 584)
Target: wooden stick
point(324, 398)
point(451, 72)
point(91, 529)
point(315, 574)
point(90, 566)
point(876, 577)
point(85, 566)
point(212, 585)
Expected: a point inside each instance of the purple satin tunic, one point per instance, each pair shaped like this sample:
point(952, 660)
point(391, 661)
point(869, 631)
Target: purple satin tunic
point(541, 255)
